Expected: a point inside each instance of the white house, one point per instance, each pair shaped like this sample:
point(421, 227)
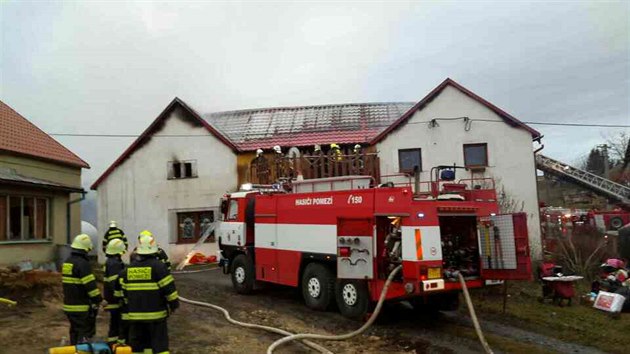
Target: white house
point(172, 185)
point(169, 181)
point(452, 125)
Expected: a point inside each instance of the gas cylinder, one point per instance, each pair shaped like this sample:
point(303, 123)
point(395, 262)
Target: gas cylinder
point(91, 348)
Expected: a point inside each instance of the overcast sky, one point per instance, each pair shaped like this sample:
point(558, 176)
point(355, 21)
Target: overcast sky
point(110, 67)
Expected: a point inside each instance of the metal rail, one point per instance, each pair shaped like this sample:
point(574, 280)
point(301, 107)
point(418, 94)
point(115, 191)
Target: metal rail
point(592, 181)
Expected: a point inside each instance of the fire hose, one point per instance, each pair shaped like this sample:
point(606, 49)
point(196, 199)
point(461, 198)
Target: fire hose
point(366, 325)
point(227, 316)
point(7, 302)
point(304, 336)
point(473, 316)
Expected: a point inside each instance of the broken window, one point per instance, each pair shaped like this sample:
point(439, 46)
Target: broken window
point(177, 170)
point(193, 225)
point(182, 169)
point(23, 218)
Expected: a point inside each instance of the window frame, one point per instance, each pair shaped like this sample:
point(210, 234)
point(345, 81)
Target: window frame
point(400, 167)
point(24, 236)
point(197, 224)
point(478, 166)
point(229, 217)
point(170, 169)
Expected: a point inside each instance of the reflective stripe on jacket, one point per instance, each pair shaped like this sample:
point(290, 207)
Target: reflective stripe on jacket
point(113, 266)
point(79, 284)
point(113, 233)
point(147, 287)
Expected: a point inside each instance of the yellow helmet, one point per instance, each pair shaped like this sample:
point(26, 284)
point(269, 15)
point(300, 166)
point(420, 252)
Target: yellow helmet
point(147, 244)
point(115, 246)
point(145, 233)
point(334, 146)
point(82, 242)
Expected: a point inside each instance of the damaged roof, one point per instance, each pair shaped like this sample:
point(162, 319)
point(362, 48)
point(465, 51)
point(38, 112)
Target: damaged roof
point(307, 125)
point(18, 135)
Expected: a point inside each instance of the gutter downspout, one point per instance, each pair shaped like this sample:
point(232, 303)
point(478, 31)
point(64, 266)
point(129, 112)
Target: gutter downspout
point(68, 237)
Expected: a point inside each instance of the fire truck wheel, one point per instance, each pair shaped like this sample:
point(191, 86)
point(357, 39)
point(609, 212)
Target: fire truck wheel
point(353, 298)
point(318, 286)
point(242, 274)
point(616, 223)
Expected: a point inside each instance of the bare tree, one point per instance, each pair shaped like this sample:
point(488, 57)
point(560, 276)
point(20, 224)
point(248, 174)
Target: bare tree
point(507, 202)
point(618, 145)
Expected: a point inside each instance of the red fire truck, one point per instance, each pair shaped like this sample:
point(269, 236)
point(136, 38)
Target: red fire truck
point(338, 239)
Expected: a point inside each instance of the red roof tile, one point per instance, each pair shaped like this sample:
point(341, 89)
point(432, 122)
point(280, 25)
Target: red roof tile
point(19, 135)
point(307, 125)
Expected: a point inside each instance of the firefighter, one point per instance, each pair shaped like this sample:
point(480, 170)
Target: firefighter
point(161, 254)
point(335, 152)
point(113, 266)
point(112, 233)
point(81, 297)
point(123, 332)
point(149, 290)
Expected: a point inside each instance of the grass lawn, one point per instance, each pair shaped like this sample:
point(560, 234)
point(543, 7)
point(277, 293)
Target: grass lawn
point(578, 323)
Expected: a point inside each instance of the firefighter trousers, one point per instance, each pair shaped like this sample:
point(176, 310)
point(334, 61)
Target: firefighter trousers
point(115, 332)
point(148, 335)
point(82, 326)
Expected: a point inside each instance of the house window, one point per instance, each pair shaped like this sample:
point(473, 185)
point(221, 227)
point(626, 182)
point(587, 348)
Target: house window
point(476, 155)
point(408, 159)
point(191, 226)
point(182, 169)
point(23, 218)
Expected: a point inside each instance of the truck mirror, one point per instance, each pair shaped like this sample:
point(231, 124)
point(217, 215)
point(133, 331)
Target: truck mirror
point(224, 206)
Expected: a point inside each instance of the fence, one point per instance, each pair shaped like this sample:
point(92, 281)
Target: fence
point(266, 170)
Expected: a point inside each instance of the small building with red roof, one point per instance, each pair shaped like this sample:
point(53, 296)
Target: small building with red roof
point(40, 186)
point(181, 165)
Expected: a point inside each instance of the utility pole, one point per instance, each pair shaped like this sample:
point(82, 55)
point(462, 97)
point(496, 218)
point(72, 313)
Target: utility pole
point(604, 149)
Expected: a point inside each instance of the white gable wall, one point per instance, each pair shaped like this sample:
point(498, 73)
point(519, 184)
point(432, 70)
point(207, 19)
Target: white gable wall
point(138, 195)
point(510, 157)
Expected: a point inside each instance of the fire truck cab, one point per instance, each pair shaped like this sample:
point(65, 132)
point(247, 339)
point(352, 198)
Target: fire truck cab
point(339, 238)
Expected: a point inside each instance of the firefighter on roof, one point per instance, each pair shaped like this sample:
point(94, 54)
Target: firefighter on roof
point(149, 290)
point(335, 152)
point(112, 233)
point(81, 297)
point(113, 266)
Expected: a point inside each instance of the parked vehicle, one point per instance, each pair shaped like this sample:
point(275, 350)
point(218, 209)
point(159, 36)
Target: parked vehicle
point(339, 238)
point(611, 220)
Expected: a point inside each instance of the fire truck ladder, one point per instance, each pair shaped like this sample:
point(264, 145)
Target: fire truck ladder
point(592, 181)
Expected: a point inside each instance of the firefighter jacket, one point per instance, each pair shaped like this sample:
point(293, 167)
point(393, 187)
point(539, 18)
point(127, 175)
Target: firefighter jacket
point(163, 257)
point(112, 233)
point(148, 289)
point(120, 296)
point(80, 293)
point(113, 266)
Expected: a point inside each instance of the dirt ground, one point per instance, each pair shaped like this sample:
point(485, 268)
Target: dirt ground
point(33, 327)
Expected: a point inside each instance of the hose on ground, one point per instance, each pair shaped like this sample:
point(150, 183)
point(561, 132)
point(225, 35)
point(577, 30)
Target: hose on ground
point(471, 309)
point(227, 316)
point(7, 302)
point(366, 325)
point(193, 271)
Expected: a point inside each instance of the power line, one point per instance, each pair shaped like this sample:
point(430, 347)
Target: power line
point(583, 125)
